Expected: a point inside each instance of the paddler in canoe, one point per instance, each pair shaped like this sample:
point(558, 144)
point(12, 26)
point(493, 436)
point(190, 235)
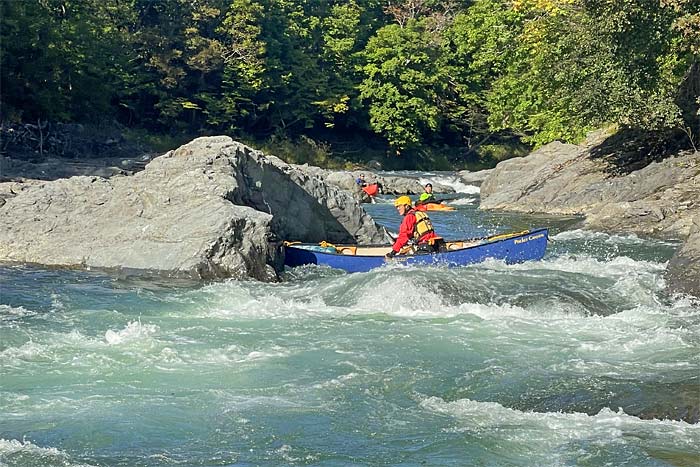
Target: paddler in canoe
point(428, 202)
point(416, 230)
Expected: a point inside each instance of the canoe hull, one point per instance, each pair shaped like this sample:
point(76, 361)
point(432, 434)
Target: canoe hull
point(526, 246)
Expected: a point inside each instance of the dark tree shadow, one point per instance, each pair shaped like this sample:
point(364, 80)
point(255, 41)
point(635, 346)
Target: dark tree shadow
point(631, 149)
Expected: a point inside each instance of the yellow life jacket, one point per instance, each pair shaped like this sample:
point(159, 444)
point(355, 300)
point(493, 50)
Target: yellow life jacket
point(423, 225)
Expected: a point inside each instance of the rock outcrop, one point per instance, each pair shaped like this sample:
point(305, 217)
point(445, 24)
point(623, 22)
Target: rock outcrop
point(474, 178)
point(212, 208)
point(53, 168)
point(661, 199)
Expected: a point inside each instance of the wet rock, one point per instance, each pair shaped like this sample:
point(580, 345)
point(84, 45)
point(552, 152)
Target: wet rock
point(683, 272)
point(564, 179)
point(684, 405)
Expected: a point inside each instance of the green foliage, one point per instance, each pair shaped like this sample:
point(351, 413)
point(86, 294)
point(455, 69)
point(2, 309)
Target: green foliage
point(62, 60)
point(243, 73)
point(402, 83)
point(341, 33)
point(303, 150)
point(156, 142)
point(417, 74)
point(568, 67)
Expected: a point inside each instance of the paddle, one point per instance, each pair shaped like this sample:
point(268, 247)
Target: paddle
point(393, 238)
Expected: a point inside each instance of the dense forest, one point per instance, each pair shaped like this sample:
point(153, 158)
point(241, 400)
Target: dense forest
point(405, 74)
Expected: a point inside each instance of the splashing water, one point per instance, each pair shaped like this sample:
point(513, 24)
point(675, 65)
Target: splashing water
point(579, 359)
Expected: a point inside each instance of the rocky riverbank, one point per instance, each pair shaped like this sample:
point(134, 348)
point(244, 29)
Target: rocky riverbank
point(227, 206)
point(212, 208)
point(658, 199)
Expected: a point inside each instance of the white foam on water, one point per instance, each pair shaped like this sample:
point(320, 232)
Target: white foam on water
point(12, 446)
point(24, 406)
point(235, 402)
point(168, 356)
point(286, 452)
point(550, 431)
point(617, 267)
point(269, 307)
point(453, 181)
point(506, 312)
point(231, 356)
point(235, 300)
point(379, 200)
point(400, 296)
point(134, 331)
point(8, 312)
point(35, 455)
point(27, 351)
point(64, 350)
point(56, 303)
point(406, 291)
point(626, 239)
point(637, 341)
point(631, 278)
point(16, 406)
point(641, 332)
point(637, 282)
point(641, 343)
point(255, 356)
point(685, 305)
point(395, 294)
point(462, 201)
point(643, 286)
point(338, 382)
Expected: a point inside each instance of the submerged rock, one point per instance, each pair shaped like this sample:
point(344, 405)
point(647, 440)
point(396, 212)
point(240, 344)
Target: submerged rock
point(212, 208)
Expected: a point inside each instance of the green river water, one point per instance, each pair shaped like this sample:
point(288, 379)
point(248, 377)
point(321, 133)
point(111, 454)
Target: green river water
point(582, 359)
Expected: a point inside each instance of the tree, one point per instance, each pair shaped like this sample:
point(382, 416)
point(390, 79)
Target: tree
point(62, 59)
point(570, 66)
point(402, 83)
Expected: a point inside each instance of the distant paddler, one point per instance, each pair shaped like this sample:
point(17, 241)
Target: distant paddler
point(427, 197)
point(416, 229)
point(370, 190)
point(428, 202)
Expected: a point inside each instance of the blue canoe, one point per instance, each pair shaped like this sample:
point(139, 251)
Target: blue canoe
point(511, 247)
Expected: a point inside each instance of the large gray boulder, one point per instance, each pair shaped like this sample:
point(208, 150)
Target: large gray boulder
point(556, 178)
point(212, 208)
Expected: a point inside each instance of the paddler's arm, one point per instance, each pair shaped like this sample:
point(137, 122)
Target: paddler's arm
point(405, 234)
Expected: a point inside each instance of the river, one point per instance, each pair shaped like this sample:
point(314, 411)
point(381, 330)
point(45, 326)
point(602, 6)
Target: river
point(581, 359)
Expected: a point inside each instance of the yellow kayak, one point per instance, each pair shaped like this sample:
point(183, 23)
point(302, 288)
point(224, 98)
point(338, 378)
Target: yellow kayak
point(434, 207)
